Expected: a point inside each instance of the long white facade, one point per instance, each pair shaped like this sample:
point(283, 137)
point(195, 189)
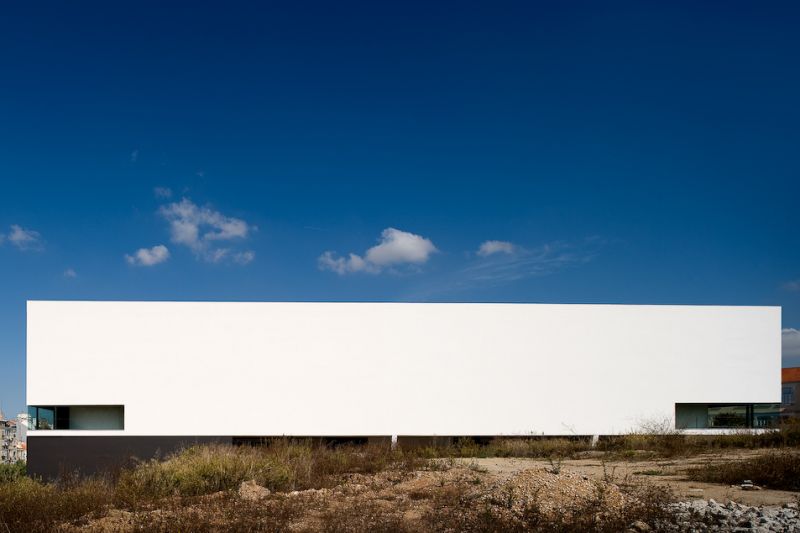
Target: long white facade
point(361, 369)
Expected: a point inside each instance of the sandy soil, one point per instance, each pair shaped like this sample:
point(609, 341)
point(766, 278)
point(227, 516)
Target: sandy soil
point(506, 485)
point(664, 471)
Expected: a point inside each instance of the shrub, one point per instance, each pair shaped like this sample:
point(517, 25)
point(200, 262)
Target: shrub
point(279, 466)
point(511, 447)
point(12, 472)
point(31, 506)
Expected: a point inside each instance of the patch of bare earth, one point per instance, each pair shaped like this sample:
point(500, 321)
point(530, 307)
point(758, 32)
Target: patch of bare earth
point(464, 495)
point(668, 472)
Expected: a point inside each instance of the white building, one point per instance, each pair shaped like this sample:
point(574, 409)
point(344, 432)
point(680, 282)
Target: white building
point(112, 378)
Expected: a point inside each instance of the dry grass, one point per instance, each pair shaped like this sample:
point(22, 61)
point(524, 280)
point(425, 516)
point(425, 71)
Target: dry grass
point(196, 489)
point(776, 470)
point(517, 447)
point(281, 466)
point(31, 506)
point(649, 504)
point(223, 514)
point(655, 438)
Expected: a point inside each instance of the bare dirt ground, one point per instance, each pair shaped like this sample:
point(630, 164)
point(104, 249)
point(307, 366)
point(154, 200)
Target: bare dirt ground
point(414, 500)
point(670, 472)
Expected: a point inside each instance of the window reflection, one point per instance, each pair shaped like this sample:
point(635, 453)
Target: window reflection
point(87, 417)
point(726, 416)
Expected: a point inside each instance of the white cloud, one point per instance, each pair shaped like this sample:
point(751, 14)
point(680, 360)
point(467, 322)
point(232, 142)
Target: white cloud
point(25, 239)
point(162, 192)
point(395, 248)
point(340, 265)
point(245, 257)
point(793, 286)
point(790, 343)
point(148, 256)
point(70, 273)
point(134, 156)
point(495, 247)
point(398, 246)
point(199, 228)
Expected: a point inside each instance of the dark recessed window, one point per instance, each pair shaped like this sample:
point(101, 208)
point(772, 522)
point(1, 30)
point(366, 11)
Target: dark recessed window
point(77, 417)
point(726, 416)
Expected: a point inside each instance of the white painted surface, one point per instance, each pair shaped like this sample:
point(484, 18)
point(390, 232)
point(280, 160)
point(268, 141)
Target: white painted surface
point(199, 368)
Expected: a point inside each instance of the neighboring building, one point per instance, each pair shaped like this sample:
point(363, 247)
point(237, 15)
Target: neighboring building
point(790, 392)
point(12, 439)
point(8, 433)
point(20, 452)
point(107, 380)
point(23, 420)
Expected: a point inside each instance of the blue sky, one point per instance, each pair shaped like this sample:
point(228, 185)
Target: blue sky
point(515, 152)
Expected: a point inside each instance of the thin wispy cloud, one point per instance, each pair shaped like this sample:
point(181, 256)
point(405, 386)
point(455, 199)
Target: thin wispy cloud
point(146, 257)
point(244, 258)
point(503, 267)
point(395, 249)
point(792, 286)
point(488, 248)
point(25, 239)
point(134, 156)
point(162, 193)
point(501, 264)
point(70, 273)
point(206, 232)
point(790, 346)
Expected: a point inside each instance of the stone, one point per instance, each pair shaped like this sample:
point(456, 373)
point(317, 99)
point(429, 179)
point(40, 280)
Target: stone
point(640, 526)
point(252, 491)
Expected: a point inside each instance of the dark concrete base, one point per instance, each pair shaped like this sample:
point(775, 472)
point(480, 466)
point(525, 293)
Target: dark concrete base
point(51, 457)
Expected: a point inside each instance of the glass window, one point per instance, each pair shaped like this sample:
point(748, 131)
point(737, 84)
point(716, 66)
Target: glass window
point(766, 415)
point(77, 417)
point(728, 416)
point(45, 418)
point(787, 395)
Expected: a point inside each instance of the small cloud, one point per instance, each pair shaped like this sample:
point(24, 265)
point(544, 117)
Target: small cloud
point(395, 248)
point(790, 344)
point(70, 273)
point(792, 286)
point(340, 265)
point(244, 258)
point(148, 256)
point(134, 156)
point(162, 192)
point(201, 228)
point(495, 247)
point(25, 239)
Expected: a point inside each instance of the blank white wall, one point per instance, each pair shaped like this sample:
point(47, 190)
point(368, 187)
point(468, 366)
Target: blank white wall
point(202, 368)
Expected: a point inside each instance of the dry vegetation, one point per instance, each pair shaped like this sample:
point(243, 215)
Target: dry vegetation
point(776, 470)
point(301, 486)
